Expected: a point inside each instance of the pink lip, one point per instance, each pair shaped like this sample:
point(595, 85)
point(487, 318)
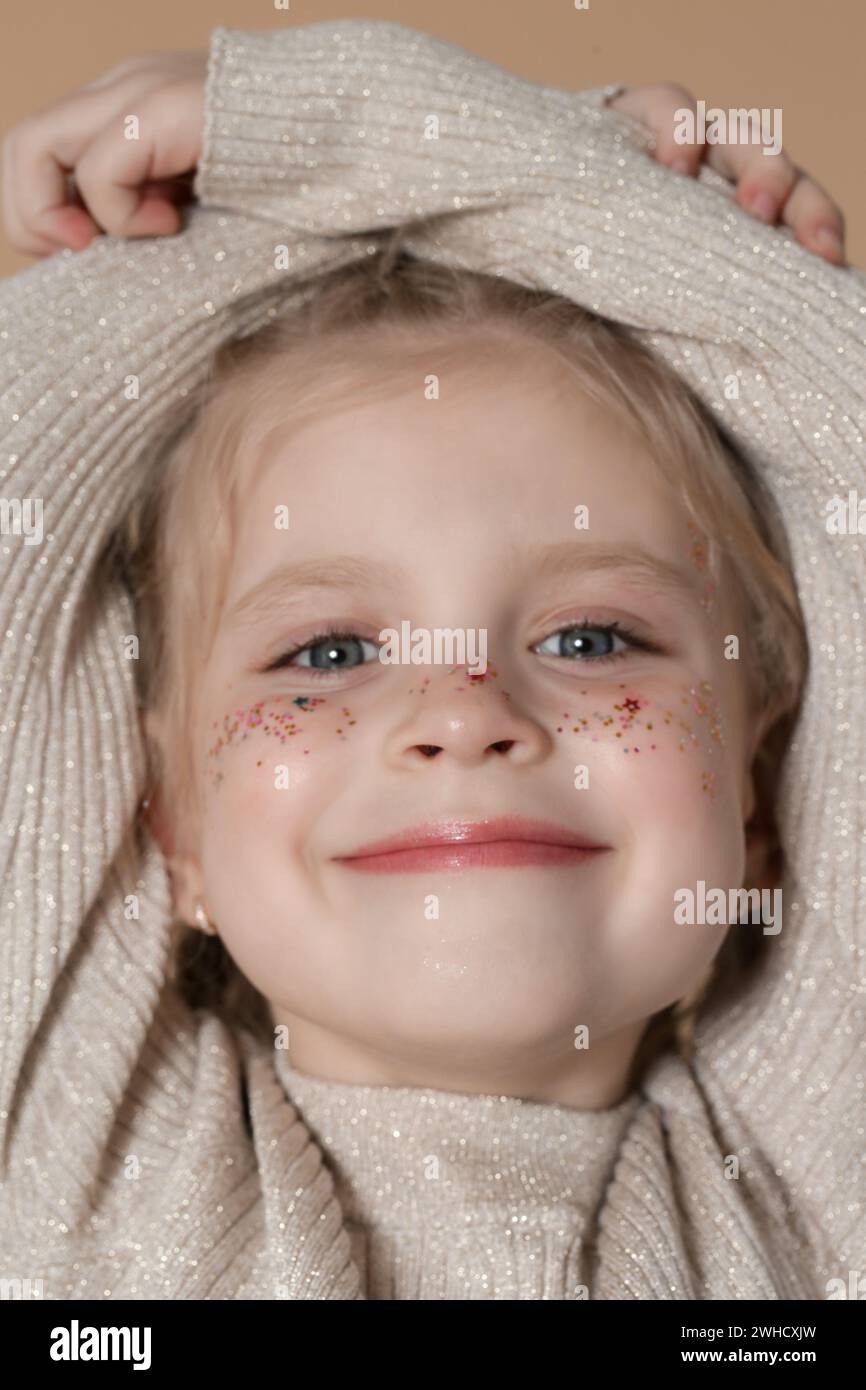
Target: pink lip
point(500, 842)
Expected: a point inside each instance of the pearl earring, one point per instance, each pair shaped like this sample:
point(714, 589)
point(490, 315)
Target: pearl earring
point(204, 921)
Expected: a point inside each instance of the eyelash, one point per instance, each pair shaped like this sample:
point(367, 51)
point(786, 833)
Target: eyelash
point(338, 635)
point(329, 635)
point(631, 638)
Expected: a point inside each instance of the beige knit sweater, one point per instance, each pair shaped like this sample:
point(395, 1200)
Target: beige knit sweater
point(148, 1152)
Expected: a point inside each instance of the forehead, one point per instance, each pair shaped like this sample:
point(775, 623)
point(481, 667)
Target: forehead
point(345, 372)
point(490, 451)
point(391, 500)
point(427, 433)
point(426, 380)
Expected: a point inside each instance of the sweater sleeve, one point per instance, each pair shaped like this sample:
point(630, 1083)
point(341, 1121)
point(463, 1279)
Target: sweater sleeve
point(400, 121)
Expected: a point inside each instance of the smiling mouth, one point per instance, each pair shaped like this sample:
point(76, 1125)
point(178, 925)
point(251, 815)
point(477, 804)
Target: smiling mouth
point(492, 854)
point(505, 842)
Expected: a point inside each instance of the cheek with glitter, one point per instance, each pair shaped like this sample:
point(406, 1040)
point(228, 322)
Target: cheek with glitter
point(636, 724)
point(275, 719)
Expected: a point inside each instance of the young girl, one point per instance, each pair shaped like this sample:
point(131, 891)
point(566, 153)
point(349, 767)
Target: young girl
point(400, 998)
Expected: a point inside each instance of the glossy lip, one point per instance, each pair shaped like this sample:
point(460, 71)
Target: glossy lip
point(497, 842)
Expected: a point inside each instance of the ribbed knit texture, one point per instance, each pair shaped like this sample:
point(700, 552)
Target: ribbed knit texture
point(128, 1167)
point(463, 1197)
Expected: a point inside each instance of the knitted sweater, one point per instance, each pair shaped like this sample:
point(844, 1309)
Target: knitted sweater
point(149, 1151)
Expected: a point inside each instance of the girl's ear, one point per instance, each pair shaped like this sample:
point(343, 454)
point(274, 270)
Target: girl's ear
point(759, 870)
point(758, 754)
point(767, 750)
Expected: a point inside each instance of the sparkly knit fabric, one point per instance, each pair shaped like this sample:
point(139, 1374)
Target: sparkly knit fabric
point(151, 1152)
point(453, 1196)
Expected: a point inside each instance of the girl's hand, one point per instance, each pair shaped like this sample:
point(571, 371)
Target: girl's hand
point(127, 187)
point(132, 187)
point(768, 186)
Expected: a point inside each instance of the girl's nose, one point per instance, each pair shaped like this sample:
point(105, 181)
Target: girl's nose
point(466, 722)
point(430, 750)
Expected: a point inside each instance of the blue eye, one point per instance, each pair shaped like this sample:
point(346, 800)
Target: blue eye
point(585, 638)
point(326, 649)
point(323, 648)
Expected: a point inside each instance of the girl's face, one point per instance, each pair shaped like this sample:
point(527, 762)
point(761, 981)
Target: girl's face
point(467, 513)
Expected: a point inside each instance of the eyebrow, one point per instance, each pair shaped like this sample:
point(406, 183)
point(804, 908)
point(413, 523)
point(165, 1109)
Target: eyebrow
point(632, 562)
point(289, 583)
point(293, 580)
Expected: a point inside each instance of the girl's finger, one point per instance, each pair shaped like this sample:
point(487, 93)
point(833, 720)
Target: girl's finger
point(122, 181)
point(73, 226)
point(76, 228)
point(668, 107)
point(659, 106)
point(773, 188)
point(38, 204)
point(35, 186)
point(763, 181)
point(818, 222)
point(768, 186)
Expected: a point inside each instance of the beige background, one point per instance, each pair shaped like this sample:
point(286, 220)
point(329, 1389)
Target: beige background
point(805, 57)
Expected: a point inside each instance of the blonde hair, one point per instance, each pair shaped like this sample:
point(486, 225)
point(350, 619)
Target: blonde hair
point(362, 331)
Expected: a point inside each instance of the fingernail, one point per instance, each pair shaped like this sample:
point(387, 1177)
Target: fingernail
point(828, 238)
point(764, 205)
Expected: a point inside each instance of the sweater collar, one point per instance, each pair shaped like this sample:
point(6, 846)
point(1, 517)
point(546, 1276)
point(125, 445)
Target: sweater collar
point(403, 1155)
